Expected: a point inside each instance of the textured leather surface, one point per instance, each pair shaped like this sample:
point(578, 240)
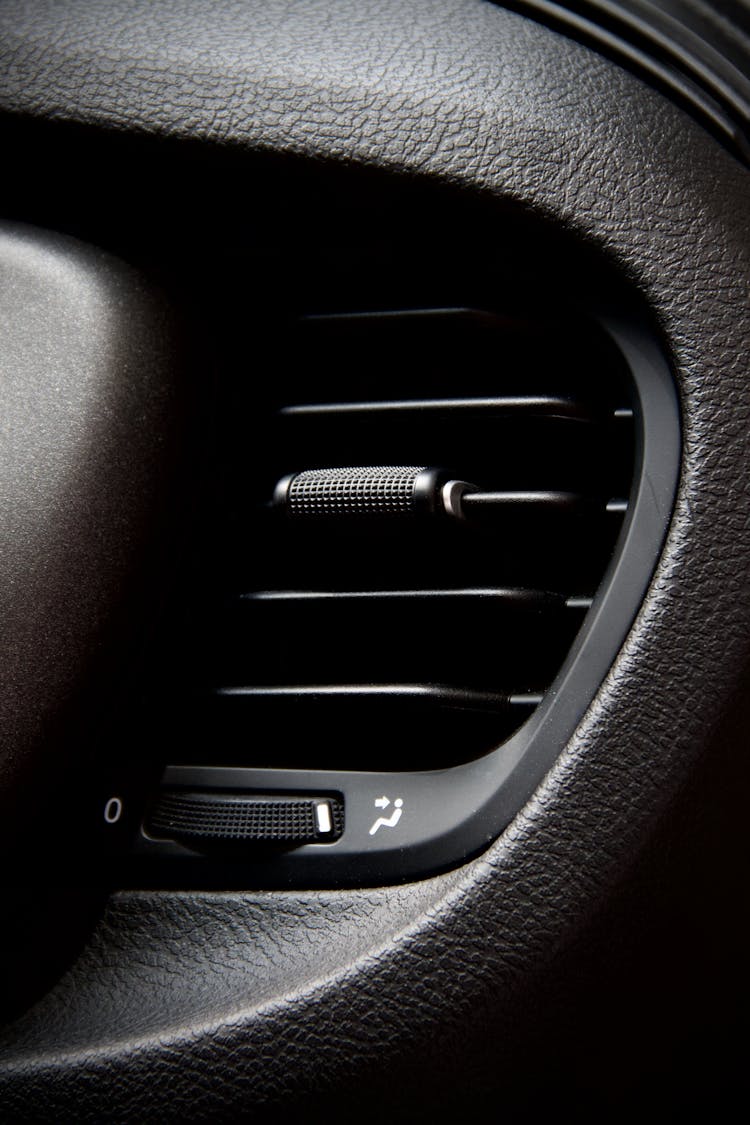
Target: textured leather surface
point(193, 1007)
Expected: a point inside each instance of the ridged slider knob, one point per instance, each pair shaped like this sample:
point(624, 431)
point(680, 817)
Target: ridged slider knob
point(392, 491)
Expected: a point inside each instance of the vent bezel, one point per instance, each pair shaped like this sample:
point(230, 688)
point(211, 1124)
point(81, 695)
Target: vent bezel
point(450, 815)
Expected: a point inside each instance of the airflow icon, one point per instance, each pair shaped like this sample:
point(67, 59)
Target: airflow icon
point(387, 821)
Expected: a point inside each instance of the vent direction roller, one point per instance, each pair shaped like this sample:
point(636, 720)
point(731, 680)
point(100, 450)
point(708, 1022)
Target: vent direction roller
point(371, 491)
point(215, 818)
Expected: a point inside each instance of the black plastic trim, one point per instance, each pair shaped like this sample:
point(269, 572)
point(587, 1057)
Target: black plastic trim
point(449, 815)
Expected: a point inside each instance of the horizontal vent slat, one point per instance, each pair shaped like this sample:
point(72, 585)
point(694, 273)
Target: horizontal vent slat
point(441, 695)
point(418, 316)
point(534, 406)
point(514, 501)
point(511, 599)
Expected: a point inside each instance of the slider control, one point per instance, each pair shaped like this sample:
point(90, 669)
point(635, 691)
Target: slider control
point(411, 491)
point(371, 491)
point(205, 817)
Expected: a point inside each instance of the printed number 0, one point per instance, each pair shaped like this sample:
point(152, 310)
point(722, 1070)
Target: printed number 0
point(113, 810)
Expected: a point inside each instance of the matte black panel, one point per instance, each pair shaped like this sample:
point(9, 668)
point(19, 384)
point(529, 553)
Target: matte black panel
point(87, 404)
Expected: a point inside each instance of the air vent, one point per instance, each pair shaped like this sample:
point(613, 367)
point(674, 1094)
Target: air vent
point(421, 537)
point(409, 537)
point(436, 457)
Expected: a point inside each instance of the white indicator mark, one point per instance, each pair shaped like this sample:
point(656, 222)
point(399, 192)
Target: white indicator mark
point(323, 816)
point(113, 810)
point(387, 821)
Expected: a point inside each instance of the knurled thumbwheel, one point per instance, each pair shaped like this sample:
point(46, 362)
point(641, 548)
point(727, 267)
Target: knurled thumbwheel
point(205, 817)
point(367, 491)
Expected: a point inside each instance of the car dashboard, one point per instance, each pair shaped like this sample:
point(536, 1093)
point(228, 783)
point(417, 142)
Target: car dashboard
point(374, 551)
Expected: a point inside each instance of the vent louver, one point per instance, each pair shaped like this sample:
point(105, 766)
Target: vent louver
point(390, 643)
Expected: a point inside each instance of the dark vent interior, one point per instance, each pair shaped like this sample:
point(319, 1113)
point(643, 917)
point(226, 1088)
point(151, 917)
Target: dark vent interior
point(397, 644)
